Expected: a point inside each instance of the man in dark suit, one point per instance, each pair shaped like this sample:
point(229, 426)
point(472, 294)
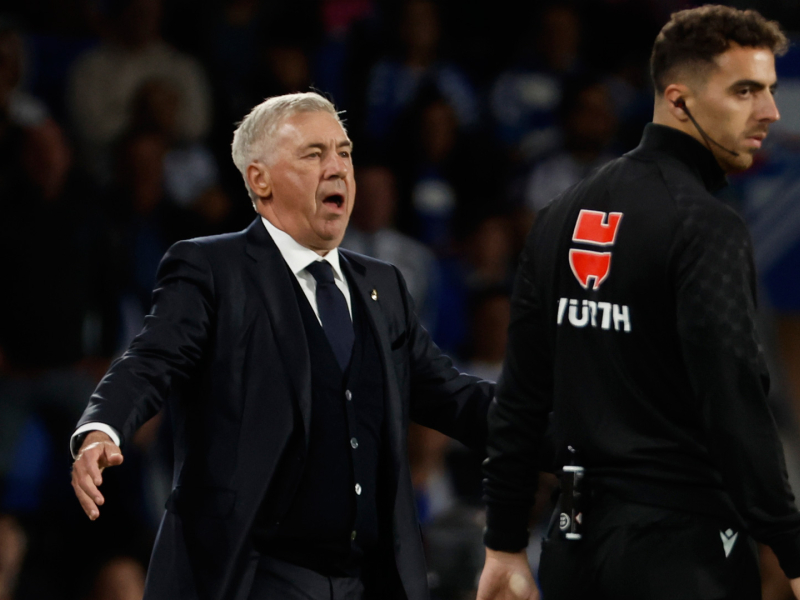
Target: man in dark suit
point(291, 370)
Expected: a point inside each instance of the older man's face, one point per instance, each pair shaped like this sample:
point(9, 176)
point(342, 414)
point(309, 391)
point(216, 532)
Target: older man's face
point(311, 174)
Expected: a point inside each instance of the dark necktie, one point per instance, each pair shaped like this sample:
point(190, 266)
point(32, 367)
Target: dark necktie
point(333, 312)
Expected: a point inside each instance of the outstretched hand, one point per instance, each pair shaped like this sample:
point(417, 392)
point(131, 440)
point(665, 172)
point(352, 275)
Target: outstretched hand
point(97, 452)
point(507, 576)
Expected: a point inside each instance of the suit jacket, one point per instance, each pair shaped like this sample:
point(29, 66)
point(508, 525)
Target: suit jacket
point(224, 344)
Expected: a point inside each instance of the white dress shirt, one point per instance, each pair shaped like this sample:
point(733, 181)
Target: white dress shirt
point(298, 257)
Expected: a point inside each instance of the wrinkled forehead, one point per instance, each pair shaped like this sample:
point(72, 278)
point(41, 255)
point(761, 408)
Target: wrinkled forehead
point(310, 128)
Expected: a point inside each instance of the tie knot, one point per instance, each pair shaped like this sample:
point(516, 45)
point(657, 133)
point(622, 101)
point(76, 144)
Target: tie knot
point(321, 270)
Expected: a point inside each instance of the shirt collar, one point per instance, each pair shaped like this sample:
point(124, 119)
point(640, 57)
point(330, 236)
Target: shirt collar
point(685, 148)
point(297, 256)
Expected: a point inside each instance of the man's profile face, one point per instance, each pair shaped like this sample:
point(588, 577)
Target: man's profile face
point(311, 173)
point(735, 105)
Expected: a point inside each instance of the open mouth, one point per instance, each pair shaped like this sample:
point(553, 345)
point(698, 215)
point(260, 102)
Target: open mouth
point(336, 199)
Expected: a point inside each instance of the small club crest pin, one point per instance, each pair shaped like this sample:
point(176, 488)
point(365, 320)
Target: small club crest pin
point(374, 295)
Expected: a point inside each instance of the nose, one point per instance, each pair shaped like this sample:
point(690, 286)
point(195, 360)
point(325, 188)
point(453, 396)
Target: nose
point(768, 111)
point(336, 166)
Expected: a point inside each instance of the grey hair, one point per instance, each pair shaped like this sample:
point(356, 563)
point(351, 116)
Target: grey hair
point(252, 137)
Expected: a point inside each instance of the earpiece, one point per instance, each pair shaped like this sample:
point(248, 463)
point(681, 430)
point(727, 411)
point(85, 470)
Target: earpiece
point(681, 103)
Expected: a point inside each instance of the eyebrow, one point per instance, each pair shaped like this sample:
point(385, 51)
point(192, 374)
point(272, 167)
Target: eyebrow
point(322, 146)
point(754, 84)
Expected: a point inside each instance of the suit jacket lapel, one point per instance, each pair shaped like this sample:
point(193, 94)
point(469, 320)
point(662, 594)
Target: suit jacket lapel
point(271, 276)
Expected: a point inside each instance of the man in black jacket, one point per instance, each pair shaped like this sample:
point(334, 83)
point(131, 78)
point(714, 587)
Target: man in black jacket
point(633, 321)
point(291, 369)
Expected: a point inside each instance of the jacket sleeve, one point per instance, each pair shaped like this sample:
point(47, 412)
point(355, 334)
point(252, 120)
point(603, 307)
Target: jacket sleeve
point(716, 304)
point(441, 397)
point(518, 416)
point(169, 346)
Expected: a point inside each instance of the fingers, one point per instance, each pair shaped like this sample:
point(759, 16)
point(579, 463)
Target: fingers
point(87, 482)
point(112, 455)
point(87, 474)
point(88, 465)
point(88, 505)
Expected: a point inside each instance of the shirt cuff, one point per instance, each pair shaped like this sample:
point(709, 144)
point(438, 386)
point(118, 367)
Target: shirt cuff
point(506, 527)
point(77, 437)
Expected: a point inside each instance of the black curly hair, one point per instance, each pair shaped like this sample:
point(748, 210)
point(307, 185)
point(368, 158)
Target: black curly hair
point(696, 36)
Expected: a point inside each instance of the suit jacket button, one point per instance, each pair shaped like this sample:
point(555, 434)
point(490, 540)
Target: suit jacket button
point(348, 395)
point(358, 489)
point(354, 443)
point(352, 535)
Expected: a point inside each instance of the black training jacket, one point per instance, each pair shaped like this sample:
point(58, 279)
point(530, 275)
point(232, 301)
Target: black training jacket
point(633, 321)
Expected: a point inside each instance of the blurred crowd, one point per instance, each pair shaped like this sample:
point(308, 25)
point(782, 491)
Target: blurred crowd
point(467, 118)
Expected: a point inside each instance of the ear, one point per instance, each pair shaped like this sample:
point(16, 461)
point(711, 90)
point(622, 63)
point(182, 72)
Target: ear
point(259, 180)
point(674, 96)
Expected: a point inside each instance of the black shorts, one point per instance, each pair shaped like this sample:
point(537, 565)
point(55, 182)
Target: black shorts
point(639, 552)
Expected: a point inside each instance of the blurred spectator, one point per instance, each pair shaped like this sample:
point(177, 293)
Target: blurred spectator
point(451, 527)
point(54, 312)
point(235, 56)
point(121, 578)
point(331, 61)
point(287, 70)
point(631, 95)
point(371, 232)
point(395, 82)
point(433, 489)
point(447, 176)
point(13, 547)
point(104, 82)
point(58, 323)
point(431, 184)
point(191, 176)
point(488, 252)
point(525, 98)
point(143, 222)
point(589, 124)
point(338, 15)
point(248, 66)
point(485, 262)
point(490, 314)
point(21, 108)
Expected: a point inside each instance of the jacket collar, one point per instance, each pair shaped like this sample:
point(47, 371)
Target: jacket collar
point(271, 276)
point(660, 139)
